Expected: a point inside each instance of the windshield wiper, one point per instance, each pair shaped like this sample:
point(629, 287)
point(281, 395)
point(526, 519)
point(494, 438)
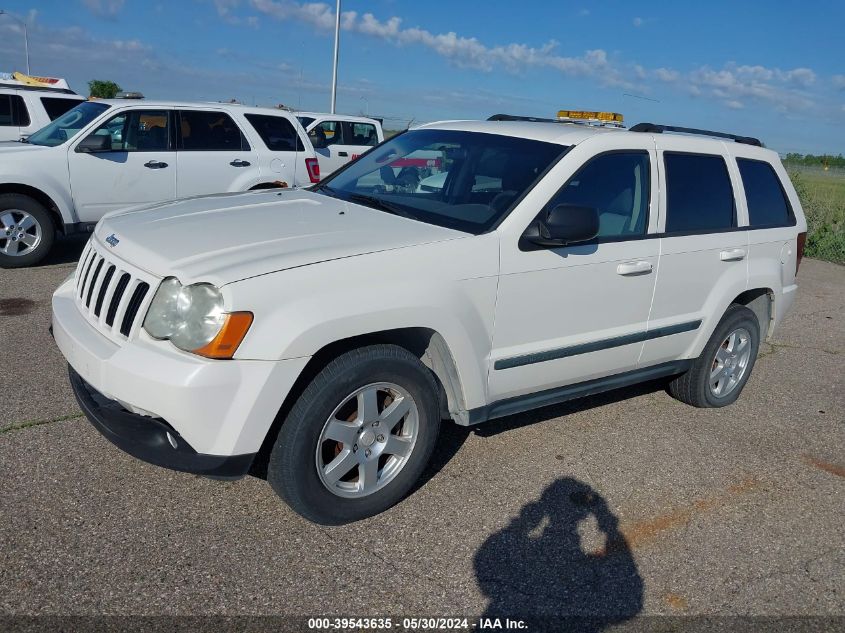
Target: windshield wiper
point(381, 205)
point(23, 140)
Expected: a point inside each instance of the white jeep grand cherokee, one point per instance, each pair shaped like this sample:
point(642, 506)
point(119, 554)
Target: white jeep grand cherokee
point(329, 331)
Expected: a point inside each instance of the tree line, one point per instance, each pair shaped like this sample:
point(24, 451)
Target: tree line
point(808, 160)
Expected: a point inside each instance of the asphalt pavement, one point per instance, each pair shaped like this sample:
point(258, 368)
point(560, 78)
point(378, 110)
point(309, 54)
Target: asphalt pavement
point(621, 506)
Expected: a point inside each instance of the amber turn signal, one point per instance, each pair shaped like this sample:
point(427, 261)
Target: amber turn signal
point(229, 337)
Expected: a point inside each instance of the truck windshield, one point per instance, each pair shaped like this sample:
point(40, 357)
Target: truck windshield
point(462, 180)
point(68, 125)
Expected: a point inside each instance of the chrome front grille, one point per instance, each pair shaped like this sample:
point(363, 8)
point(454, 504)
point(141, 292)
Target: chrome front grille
point(111, 294)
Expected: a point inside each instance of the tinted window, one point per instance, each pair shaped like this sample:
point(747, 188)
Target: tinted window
point(305, 120)
point(699, 196)
point(137, 131)
point(56, 106)
point(767, 204)
point(463, 180)
point(13, 111)
point(359, 133)
point(6, 111)
point(210, 131)
point(617, 186)
point(277, 132)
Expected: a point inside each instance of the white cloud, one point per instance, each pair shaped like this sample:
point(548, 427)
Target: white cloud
point(667, 75)
point(733, 104)
point(104, 8)
point(638, 22)
point(839, 82)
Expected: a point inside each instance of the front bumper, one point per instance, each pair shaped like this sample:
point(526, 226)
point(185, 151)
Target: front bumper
point(151, 440)
point(219, 407)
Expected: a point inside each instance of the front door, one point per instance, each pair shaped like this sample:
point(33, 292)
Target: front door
point(328, 141)
point(140, 167)
point(571, 314)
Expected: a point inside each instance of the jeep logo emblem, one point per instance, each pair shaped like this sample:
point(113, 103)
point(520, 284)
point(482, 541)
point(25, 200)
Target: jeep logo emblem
point(112, 241)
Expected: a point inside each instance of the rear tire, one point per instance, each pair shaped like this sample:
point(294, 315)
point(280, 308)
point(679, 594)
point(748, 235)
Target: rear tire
point(720, 373)
point(358, 437)
point(27, 231)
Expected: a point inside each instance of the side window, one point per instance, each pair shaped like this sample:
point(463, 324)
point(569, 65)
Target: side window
point(359, 133)
point(57, 106)
point(699, 195)
point(137, 131)
point(617, 185)
point(767, 203)
point(13, 111)
point(326, 133)
point(6, 119)
point(277, 132)
point(210, 132)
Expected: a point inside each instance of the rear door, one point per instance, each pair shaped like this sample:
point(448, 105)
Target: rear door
point(704, 245)
point(140, 168)
point(213, 155)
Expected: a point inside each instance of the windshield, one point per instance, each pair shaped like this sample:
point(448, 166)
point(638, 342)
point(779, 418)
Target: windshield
point(466, 181)
point(68, 125)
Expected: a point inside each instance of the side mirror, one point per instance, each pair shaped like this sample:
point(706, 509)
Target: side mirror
point(565, 224)
point(94, 143)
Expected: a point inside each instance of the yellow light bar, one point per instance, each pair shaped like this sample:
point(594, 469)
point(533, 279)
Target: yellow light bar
point(613, 117)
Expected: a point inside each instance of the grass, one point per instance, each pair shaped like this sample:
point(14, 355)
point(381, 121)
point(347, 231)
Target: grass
point(822, 196)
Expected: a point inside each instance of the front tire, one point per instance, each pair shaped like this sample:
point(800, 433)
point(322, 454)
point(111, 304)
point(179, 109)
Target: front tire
point(358, 437)
point(720, 373)
point(27, 231)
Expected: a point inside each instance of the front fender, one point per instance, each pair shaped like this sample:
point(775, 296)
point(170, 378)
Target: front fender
point(300, 311)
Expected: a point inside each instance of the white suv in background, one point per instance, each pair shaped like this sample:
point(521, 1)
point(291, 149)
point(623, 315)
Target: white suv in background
point(339, 138)
point(26, 108)
point(330, 330)
point(106, 155)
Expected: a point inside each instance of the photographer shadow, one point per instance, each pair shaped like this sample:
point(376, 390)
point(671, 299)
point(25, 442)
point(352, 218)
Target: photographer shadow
point(536, 569)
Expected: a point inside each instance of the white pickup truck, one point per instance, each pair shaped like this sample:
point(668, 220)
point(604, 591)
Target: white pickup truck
point(107, 155)
point(340, 138)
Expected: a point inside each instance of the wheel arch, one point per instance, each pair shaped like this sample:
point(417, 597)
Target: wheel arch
point(761, 302)
point(40, 197)
point(425, 343)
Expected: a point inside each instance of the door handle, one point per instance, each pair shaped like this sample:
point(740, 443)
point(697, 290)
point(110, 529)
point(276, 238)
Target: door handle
point(240, 163)
point(732, 255)
point(155, 164)
point(634, 268)
point(343, 154)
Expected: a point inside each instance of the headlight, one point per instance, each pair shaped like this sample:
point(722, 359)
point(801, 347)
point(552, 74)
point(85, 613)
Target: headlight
point(192, 318)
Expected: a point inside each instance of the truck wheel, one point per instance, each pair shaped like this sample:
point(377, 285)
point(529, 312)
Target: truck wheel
point(27, 231)
point(358, 437)
point(718, 376)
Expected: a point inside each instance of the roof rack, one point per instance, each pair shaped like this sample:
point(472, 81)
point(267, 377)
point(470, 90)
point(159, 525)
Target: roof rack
point(514, 117)
point(654, 128)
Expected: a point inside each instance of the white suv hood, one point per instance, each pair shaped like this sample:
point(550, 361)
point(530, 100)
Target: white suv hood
point(228, 237)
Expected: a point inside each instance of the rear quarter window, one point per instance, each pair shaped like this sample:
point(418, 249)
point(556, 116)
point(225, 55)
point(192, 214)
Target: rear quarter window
point(278, 134)
point(57, 106)
point(699, 195)
point(13, 111)
point(210, 131)
point(767, 203)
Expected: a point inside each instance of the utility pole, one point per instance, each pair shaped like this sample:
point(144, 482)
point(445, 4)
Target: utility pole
point(336, 52)
point(26, 37)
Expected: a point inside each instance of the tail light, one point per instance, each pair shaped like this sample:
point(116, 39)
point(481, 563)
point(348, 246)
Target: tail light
point(802, 239)
point(313, 168)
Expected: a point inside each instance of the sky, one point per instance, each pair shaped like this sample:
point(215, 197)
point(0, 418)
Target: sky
point(773, 69)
